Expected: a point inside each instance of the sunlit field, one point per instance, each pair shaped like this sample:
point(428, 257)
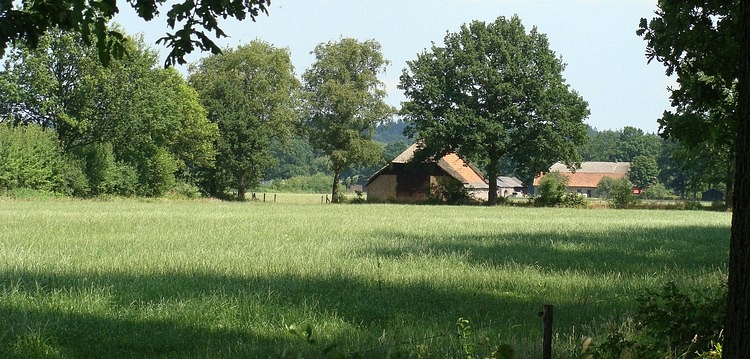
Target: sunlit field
point(208, 279)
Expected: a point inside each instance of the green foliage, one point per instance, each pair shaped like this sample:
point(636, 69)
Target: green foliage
point(644, 171)
point(149, 117)
point(317, 183)
point(191, 21)
point(697, 43)
point(621, 145)
point(619, 192)
point(250, 93)
point(551, 189)
point(658, 191)
point(448, 190)
point(31, 158)
point(343, 102)
point(670, 324)
point(494, 91)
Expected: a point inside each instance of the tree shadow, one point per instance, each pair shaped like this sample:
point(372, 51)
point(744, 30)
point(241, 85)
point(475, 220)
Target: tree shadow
point(120, 330)
point(635, 251)
point(257, 308)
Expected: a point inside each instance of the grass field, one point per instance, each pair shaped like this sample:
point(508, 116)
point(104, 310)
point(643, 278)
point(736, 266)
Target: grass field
point(202, 279)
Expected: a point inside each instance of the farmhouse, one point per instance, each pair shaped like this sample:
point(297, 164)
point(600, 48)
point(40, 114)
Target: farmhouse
point(403, 181)
point(510, 186)
point(585, 179)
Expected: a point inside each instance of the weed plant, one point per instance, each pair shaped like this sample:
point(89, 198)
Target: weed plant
point(206, 279)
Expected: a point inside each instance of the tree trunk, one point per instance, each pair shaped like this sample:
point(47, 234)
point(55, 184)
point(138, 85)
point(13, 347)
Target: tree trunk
point(737, 324)
point(335, 189)
point(492, 179)
point(241, 188)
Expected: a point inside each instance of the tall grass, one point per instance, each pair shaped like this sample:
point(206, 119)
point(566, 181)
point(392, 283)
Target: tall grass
point(214, 279)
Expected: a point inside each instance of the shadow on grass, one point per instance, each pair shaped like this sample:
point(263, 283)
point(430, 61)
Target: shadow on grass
point(257, 308)
point(693, 249)
point(50, 329)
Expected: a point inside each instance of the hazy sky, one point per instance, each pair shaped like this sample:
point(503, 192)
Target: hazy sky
point(596, 38)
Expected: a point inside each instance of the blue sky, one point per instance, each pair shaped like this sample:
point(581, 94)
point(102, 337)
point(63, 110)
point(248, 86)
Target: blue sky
point(596, 39)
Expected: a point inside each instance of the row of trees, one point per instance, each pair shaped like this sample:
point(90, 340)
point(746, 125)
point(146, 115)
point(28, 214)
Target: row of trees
point(134, 128)
point(243, 115)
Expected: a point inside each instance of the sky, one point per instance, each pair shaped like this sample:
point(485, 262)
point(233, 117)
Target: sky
point(605, 59)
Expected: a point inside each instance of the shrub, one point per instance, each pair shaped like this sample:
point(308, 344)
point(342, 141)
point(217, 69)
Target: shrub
point(619, 192)
point(447, 190)
point(658, 191)
point(31, 158)
point(573, 200)
point(551, 189)
point(317, 183)
point(106, 175)
point(669, 324)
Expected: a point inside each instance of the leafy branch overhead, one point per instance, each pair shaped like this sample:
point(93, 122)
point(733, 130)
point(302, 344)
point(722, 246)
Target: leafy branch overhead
point(193, 22)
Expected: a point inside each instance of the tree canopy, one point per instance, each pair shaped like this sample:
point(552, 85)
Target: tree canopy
point(250, 92)
point(192, 22)
point(494, 92)
point(344, 101)
point(129, 120)
point(696, 41)
point(706, 44)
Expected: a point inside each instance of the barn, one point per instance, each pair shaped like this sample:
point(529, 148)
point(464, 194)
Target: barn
point(585, 179)
point(402, 181)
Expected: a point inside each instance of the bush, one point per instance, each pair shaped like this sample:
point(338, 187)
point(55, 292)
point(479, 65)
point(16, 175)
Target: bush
point(447, 190)
point(106, 175)
point(551, 189)
point(658, 191)
point(669, 324)
point(573, 200)
point(619, 192)
point(31, 158)
point(317, 183)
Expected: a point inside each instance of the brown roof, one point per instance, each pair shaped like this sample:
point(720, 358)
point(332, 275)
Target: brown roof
point(451, 163)
point(590, 180)
point(462, 171)
point(590, 173)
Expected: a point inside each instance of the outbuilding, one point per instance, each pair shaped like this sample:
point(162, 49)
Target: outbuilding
point(403, 181)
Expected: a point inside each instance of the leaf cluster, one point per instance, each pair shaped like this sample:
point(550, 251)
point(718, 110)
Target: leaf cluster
point(29, 21)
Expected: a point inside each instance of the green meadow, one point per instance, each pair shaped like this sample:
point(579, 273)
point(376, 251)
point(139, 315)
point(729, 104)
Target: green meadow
point(207, 279)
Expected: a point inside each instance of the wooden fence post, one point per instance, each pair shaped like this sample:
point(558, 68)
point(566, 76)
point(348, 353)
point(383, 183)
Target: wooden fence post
point(547, 341)
point(274, 198)
point(264, 198)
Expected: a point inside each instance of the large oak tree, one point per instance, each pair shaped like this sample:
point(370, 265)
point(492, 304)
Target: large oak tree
point(494, 92)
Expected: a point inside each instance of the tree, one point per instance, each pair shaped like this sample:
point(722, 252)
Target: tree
point(344, 101)
point(619, 192)
point(698, 41)
point(494, 92)
point(737, 323)
point(250, 93)
point(29, 21)
point(145, 117)
point(621, 145)
point(552, 189)
point(644, 171)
